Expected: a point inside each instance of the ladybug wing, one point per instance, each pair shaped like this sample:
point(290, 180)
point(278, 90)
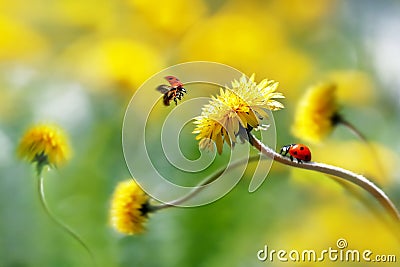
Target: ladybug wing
point(173, 81)
point(301, 152)
point(163, 88)
point(306, 154)
point(166, 99)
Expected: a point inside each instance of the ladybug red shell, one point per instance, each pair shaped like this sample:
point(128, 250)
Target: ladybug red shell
point(173, 92)
point(298, 151)
point(173, 81)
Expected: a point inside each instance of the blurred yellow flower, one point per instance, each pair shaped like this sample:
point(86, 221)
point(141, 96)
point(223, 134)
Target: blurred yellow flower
point(292, 67)
point(113, 61)
point(316, 113)
point(45, 145)
point(76, 13)
point(333, 219)
point(19, 41)
point(209, 39)
point(234, 111)
point(379, 167)
point(129, 208)
point(300, 15)
point(260, 45)
point(353, 86)
point(172, 17)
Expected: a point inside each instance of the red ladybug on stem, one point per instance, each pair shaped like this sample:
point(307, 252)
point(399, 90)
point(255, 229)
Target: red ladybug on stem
point(173, 92)
point(297, 151)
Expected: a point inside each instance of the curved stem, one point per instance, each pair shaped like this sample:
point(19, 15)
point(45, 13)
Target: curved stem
point(347, 175)
point(366, 201)
point(201, 186)
point(352, 128)
point(362, 137)
point(43, 202)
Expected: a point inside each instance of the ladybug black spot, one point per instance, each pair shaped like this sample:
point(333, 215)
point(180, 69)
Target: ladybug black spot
point(295, 152)
point(307, 157)
point(301, 148)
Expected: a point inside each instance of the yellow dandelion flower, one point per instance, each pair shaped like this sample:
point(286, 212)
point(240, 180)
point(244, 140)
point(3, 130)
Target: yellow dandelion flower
point(353, 86)
point(208, 41)
point(300, 16)
point(112, 61)
point(234, 111)
point(129, 208)
point(19, 41)
point(163, 18)
point(44, 145)
point(316, 113)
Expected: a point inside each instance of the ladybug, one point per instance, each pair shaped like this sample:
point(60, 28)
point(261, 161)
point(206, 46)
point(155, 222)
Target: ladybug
point(297, 151)
point(173, 92)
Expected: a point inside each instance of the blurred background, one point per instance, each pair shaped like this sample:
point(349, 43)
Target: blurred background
point(78, 63)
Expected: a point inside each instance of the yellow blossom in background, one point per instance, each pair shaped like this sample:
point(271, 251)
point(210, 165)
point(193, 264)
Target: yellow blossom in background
point(259, 44)
point(323, 224)
point(353, 86)
point(19, 41)
point(17, 9)
point(291, 67)
point(233, 39)
point(316, 113)
point(300, 15)
point(114, 61)
point(234, 111)
point(129, 208)
point(45, 145)
point(380, 168)
point(90, 14)
point(59, 48)
point(358, 157)
point(171, 17)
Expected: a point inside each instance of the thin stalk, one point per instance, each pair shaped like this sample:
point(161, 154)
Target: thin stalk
point(201, 186)
point(362, 137)
point(366, 201)
point(43, 202)
point(347, 175)
point(352, 128)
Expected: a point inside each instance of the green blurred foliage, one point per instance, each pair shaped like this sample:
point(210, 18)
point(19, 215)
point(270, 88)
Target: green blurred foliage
point(77, 64)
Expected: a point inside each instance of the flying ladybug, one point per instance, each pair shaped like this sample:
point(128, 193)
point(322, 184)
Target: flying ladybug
point(173, 92)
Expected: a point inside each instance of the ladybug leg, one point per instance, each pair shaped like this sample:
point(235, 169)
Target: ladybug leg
point(291, 158)
point(299, 161)
point(176, 101)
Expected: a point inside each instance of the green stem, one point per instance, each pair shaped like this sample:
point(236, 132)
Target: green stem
point(43, 202)
point(362, 137)
point(352, 128)
point(347, 175)
point(201, 186)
